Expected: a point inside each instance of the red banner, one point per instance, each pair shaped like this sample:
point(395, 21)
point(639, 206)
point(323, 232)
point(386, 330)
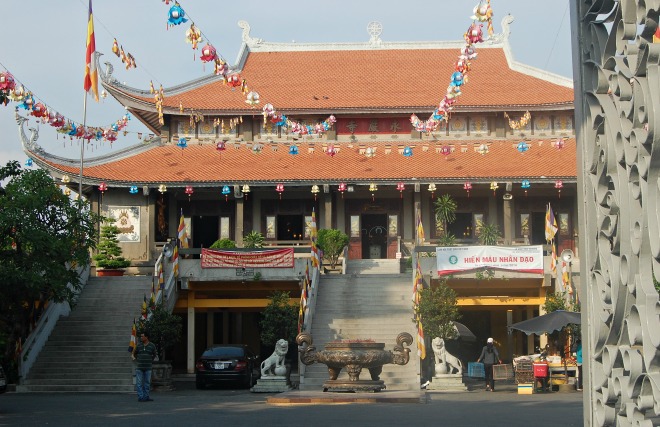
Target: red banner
point(269, 258)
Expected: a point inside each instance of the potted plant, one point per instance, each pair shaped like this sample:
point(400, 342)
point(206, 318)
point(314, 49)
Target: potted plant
point(223, 244)
point(165, 331)
point(253, 239)
point(109, 258)
point(445, 214)
point(488, 234)
point(332, 242)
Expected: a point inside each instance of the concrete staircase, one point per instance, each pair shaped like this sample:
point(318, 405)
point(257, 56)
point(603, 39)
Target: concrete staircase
point(362, 307)
point(88, 350)
point(373, 266)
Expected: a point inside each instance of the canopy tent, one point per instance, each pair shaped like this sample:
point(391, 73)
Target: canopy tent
point(464, 333)
point(548, 323)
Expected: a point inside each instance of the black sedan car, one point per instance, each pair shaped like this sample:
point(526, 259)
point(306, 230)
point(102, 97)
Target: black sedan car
point(3, 381)
point(227, 363)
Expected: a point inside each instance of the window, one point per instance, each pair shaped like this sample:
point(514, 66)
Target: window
point(224, 227)
point(462, 227)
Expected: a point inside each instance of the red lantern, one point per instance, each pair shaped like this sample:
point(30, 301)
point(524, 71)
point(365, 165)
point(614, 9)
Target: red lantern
point(280, 189)
point(342, 187)
point(467, 187)
point(208, 53)
point(7, 82)
point(234, 80)
point(103, 187)
point(401, 186)
point(220, 146)
point(445, 150)
point(189, 191)
point(331, 150)
point(559, 184)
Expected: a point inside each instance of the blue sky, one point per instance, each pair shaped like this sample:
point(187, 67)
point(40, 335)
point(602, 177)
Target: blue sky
point(44, 45)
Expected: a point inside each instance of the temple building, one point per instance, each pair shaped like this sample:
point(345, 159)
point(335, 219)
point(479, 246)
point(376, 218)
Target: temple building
point(352, 151)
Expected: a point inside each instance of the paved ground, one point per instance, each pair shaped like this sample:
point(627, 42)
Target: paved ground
point(219, 406)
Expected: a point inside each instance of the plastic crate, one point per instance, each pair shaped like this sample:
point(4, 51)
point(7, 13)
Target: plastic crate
point(502, 372)
point(476, 370)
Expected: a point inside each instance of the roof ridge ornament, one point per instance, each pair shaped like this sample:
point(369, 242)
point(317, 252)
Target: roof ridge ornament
point(375, 29)
point(506, 31)
point(28, 143)
point(250, 41)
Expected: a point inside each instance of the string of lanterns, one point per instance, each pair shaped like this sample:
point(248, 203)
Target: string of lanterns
point(13, 90)
point(520, 123)
point(194, 36)
point(474, 34)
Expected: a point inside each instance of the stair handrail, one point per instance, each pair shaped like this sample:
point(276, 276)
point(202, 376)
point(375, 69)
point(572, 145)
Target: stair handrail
point(311, 308)
point(39, 335)
point(344, 259)
point(169, 283)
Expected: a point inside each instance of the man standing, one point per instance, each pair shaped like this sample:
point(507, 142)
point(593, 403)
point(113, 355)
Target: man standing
point(144, 353)
point(490, 356)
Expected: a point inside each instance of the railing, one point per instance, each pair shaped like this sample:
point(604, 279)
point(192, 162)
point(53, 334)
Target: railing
point(39, 335)
point(311, 309)
point(168, 292)
point(344, 260)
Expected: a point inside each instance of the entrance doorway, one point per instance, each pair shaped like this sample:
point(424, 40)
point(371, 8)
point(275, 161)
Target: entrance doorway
point(289, 227)
point(205, 230)
point(538, 228)
point(374, 236)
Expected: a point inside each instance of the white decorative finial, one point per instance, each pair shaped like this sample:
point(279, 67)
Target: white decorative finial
point(375, 29)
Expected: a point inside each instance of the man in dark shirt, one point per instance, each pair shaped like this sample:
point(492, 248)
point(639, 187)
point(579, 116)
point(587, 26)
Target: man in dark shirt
point(144, 353)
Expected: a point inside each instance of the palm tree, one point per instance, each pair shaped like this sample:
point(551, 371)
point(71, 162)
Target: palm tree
point(445, 213)
point(488, 234)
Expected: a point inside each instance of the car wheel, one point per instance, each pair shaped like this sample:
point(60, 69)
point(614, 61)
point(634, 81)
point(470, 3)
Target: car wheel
point(249, 379)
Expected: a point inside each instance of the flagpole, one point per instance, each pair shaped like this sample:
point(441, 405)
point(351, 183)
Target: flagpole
point(82, 149)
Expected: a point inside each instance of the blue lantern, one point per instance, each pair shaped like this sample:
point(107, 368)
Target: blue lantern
point(133, 189)
point(525, 185)
point(28, 162)
point(407, 152)
point(293, 150)
point(523, 146)
point(226, 191)
point(176, 15)
point(183, 143)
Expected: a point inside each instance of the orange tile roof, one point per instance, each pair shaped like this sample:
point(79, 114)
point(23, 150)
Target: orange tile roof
point(199, 164)
point(373, 79)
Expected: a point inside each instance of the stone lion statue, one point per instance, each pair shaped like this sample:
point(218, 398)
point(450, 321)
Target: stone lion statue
point(445, 360)
point(274, 364)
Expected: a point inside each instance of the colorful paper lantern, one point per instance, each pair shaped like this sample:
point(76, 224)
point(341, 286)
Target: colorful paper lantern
point(522, 146)
point(293, 149)
point(7, 81)
point(103, 187)
point(28, 162)
point(483, 149)
point(176, 15)
point(331, 150)
point(133, 189)
point(467, 187)
point(370, 152)
point(342, 187)
point(373, 188)
point(559, 184)
point(245, 190)
point(494, 186)
point(257, 148)
point(67, 191)
point(401, 187)
point(65, 179)
point(221, 146)
point(252, 99)
point(525, 185)
point(559, 143)
point(445, 150)
point(208, 53)
point(226, 191)
point(189, 191)
point(162, 188)
point(432, 189)
point(407, 152)
point(315, 190)
point(280, 189)
point(183, 143)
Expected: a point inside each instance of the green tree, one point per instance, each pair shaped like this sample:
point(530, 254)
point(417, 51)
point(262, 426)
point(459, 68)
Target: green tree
point(438, 310)
point(488, 234)
point(555, 301)
point(44, 236)
point(279, 319)
point(109, 255)
point(165, 328)
point(332, 243)
point(253, 239)
point(445, 214)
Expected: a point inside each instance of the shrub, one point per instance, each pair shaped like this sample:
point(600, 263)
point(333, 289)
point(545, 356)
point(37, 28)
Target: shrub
point(253, 239)
point(109, 255)
point(332, 243)
point(223, 244)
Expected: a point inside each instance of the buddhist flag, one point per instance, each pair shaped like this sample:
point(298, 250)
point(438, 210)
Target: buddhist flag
point(550, 224)
point(417, 286)
point(91, 73)
point(313, 234)
point(553, 258)
point(175, 261)
point(565, 277)
point(144, 308)
point(656, 35)
point(182, 235)
point(133, 341)
point(420, 228)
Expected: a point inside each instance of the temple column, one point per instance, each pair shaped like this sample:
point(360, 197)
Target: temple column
point(210, 316)
point(508, 219)
point(327, 207)
point(238, 226)
point(190, 365)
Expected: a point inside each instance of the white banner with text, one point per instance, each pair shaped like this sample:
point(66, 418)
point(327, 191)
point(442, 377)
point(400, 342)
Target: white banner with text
point(455, 259)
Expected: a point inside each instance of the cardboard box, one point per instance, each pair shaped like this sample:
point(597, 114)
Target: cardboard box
point(526, 388)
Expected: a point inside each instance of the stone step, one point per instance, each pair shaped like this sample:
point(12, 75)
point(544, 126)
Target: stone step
point(83, 381)
point(89, 388)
